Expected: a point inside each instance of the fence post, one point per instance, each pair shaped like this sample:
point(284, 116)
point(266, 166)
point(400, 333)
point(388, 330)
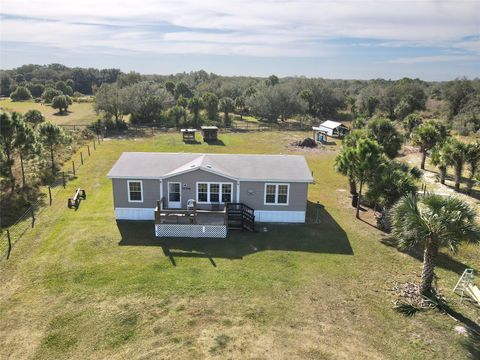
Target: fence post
point(73, 167)
point(94, 148)
point(9, 244)
point(63, 179)
point(88, 148)
point(50, 195)
point(81, 158)
point(33, 216)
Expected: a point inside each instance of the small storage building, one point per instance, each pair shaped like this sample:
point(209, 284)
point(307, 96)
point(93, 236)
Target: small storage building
point(329, 128)
point(209, 133)
point(188, 135)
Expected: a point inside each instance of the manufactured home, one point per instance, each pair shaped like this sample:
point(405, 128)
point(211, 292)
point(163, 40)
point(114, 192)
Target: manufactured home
point(195, 191)
point(329, 128)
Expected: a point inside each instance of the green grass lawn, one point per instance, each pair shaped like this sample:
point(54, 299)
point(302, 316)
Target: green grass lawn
point(79, 113)
point(81, 285)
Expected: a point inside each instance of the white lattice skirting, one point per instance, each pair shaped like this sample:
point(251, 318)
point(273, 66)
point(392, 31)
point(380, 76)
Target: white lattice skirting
point(190, 231)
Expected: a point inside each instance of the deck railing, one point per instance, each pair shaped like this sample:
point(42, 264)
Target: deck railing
point(180, 216)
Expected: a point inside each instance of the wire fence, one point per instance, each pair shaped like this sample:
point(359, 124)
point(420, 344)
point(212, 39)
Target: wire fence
point(49, 196)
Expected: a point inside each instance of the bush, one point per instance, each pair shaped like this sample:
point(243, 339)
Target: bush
point(49, 93)
point(21, 93)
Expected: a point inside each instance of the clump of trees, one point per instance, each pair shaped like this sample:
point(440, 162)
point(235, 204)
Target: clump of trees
point(27, 141)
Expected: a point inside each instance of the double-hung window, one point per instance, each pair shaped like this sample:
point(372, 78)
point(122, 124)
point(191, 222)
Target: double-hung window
point(211, 192)
point(276, 194)
point(135, 193)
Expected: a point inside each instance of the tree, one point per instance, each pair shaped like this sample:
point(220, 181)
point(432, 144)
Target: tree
point(26, 144)
point(61, 102)
point(8, 125)
point(177, 113)
point(170, 87)
point(195, 104)
point(366, 157)
point(434, 221)
point(392, 181)
point(183, 102)
point(371, 105)
point(472, 158)
point(456, 94)
point(36, 89)
point(345, 165)
point(146, 101)
point(21, 93)
point(240, 105)
point(405, 107)
point(440, 158)
point(112, 100)
point(52, 137)
point(455, 155)
point(64, 88)
point(226, 105)
point(182, 89)
point(272, 80)
point(210, 100)
point(410, 122)
point(426, 136)
point(49, 93)
point(307, 96)
point(386, 135)
point(34, 117)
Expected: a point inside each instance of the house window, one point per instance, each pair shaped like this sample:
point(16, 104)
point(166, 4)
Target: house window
point(226, 193)
point(174, 192)
point(202, 193)
point(270, 194)
point(214, 192)
point(135, 191)
point(276, 194)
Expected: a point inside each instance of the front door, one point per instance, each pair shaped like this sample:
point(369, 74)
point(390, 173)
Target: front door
point(174, 195)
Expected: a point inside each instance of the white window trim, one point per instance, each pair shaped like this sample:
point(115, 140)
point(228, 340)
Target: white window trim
point(168, 191)
point(141, 190)
point(276, 203)
point(208, 192)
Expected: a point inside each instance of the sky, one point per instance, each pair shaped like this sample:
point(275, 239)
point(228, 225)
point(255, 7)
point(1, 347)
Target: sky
point(346, 39)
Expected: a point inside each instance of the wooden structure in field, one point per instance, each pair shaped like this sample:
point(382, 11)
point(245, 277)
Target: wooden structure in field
point(209, 133)
point(188, 135)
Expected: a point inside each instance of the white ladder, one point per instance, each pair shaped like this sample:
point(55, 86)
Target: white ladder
point(464, 281)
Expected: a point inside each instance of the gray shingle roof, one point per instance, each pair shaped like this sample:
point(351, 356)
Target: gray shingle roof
point(157, 165)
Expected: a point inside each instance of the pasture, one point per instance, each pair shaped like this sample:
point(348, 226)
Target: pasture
point(78, 113)
point(80, 285)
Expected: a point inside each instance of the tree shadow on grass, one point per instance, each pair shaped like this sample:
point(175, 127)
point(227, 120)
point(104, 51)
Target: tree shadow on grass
point(326, 237)
point(444, 261)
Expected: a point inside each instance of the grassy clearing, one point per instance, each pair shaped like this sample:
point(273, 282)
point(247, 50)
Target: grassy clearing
point(82, 286)
point(79, 113)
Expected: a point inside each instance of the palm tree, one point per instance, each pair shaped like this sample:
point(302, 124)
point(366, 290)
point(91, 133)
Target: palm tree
point(195, 104)
point(440, 158)
point(472, 158)
point(344, 164)
point(426, 136)
point(434, 221)
point(226, 105)
point(455, 154)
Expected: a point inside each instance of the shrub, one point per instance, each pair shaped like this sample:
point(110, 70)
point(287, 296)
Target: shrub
point(21, 93)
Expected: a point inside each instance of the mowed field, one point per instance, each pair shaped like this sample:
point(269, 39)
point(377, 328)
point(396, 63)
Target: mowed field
point(83, 286)
point(79, 113)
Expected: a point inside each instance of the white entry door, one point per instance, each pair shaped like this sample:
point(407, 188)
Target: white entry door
point(174, 195)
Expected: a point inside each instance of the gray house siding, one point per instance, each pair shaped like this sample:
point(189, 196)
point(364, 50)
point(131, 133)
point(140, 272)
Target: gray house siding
point(151, 193)
point(253, 194)
point(189, 185)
